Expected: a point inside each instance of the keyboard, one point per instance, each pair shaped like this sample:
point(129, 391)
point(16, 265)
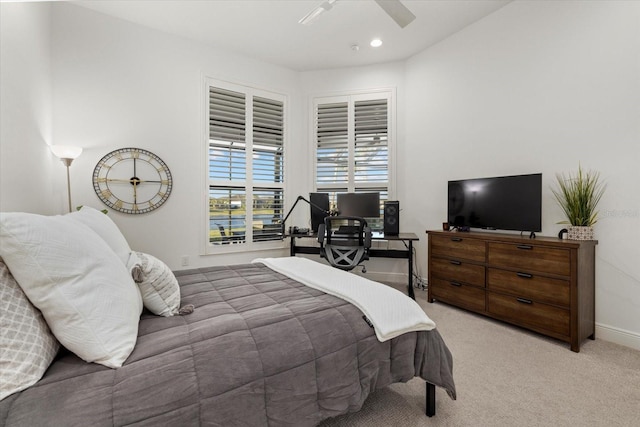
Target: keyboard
point(348, 229)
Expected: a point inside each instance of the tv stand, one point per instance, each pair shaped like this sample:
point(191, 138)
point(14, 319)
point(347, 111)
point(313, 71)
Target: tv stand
point(546, 285)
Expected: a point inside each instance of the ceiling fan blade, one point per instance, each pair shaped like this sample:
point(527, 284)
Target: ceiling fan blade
point(313, 15)
point(397, 11)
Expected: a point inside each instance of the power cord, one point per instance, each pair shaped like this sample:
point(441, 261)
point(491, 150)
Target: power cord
point(418, 281)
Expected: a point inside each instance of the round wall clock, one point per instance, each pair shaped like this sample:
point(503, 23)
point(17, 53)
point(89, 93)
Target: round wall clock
point(132, 180)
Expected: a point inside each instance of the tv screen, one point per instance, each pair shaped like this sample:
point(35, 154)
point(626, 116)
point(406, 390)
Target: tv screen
point(505, 203)
point(364, 205)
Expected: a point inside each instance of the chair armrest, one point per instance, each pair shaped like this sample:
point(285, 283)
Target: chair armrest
point(367, 237)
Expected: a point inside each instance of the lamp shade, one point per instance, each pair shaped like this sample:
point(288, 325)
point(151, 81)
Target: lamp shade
point(66, 151)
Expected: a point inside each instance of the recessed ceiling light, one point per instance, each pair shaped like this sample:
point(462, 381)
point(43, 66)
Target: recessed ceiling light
point(376, 43)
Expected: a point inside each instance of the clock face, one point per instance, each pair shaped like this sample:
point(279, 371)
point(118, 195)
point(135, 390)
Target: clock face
point(132, 180)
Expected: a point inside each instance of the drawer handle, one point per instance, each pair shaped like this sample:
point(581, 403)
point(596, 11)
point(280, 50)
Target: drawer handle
point(455, 284)
point(455, 262)
point(526, 247)
point(456, 239)
point(524, 275)
point(524, 301)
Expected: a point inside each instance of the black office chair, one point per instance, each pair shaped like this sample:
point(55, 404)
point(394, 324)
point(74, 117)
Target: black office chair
point(348, 240)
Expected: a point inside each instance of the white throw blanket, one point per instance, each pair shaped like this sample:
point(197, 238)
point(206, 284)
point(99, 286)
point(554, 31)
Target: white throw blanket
point(391, 312)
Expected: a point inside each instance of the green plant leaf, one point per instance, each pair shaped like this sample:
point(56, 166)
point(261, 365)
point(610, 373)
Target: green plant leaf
point(578, 195)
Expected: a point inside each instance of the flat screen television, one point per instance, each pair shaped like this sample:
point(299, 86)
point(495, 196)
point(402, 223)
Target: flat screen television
point(499, 203)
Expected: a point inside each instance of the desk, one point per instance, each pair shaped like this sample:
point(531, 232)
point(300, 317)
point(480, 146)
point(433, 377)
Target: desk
point(407, 238)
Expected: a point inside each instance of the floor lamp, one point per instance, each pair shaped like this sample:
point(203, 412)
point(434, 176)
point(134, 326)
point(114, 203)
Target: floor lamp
point(66, 154)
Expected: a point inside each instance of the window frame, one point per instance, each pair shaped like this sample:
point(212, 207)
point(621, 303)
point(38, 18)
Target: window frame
point(248, 184)
point(351, 97)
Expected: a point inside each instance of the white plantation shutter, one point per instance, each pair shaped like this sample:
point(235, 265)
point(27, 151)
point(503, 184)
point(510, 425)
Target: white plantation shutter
point(227, 115)
point(267, 214)
point(268, 168)
point(268, 137)
point(332, 149)
point(227, 222)
point(371, 154)
point(353, 145)
point(227, 135)
point(246, 165)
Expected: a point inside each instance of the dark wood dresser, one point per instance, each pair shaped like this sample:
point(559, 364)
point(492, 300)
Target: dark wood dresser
point(543, 284)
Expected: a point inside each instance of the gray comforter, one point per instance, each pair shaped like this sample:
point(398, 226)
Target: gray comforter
point(260, 349)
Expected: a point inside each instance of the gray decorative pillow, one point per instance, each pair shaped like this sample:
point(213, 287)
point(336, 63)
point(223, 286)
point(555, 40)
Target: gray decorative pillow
point(28, 346)
point(158, 286)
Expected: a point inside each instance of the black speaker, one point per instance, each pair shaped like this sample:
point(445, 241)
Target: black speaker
point(317, 216)
point(391, 218)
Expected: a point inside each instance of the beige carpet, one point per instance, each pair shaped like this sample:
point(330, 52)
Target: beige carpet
point(506, 376)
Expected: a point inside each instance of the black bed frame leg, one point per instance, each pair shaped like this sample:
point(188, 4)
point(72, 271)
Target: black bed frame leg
point(431, 399)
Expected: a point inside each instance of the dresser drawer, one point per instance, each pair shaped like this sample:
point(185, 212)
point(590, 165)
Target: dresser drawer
point(458, 247)
point(457, 271)
point(525, 257)
point(530, 286)
point(464, 296)
point(527, 313)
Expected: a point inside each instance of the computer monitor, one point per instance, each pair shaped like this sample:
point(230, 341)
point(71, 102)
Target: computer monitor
point(365, 205)
point(320, 200)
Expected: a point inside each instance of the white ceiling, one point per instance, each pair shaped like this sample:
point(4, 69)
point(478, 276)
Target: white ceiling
point(269, 29)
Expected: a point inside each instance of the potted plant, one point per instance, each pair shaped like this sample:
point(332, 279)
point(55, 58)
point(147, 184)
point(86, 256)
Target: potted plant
point(578, 196)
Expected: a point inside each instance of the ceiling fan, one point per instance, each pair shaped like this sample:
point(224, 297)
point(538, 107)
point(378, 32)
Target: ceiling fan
point(394, 8)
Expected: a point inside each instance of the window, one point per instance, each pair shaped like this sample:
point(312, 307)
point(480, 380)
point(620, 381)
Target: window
point(245, 165)
point(353, 141)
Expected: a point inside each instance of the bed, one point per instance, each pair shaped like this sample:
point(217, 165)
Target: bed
point(259, 349)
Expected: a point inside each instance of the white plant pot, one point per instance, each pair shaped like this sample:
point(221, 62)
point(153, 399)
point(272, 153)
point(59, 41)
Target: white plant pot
point(576, 232)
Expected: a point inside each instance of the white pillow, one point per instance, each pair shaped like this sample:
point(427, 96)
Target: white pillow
point(83, 290)
point(158, 286)
point(28, 346)
point(108, 231)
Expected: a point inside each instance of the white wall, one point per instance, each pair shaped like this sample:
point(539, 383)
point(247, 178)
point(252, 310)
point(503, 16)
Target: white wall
point(538, 87)
point(26, 163)
point(118, 85)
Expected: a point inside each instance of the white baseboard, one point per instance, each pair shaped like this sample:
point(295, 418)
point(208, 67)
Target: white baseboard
point(380, 276)
point(618, 336)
